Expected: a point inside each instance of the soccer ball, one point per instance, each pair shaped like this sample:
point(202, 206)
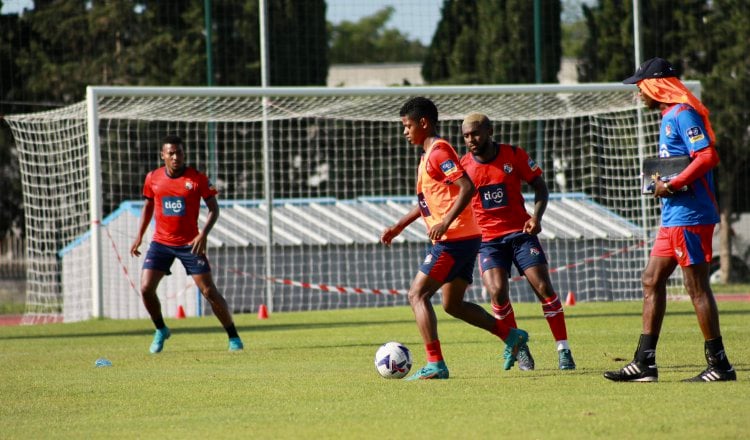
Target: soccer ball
point(393, 360)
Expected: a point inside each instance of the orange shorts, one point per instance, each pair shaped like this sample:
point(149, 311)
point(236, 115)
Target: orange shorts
point(687, 244)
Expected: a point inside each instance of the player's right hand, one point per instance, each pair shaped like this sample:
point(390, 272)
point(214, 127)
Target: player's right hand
point(389, 234)
point(134, 248)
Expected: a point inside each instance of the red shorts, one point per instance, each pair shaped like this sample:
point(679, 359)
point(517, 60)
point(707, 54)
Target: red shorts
point(687, 244)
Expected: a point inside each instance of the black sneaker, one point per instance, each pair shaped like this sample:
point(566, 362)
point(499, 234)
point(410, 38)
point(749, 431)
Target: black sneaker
point(714, 374)
point(634, 372)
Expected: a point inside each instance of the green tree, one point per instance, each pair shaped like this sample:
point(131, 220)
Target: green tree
point(369, 41)
point(608, 51)
point(490, 41)
point(705, 40)
point(299, 42)
point(724, 58)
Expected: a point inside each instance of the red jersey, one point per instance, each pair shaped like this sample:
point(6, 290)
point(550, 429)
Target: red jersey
point(177, 204)
point(498, 203)
point(438, 168)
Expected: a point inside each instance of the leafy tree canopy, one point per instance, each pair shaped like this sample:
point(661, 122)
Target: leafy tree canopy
point(369, 41)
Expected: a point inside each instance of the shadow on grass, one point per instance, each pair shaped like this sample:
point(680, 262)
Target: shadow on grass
point(250, 329)
point(271, 327)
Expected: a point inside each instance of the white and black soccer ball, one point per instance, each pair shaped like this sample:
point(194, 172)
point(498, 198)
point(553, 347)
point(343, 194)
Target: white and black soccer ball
point(393, 360)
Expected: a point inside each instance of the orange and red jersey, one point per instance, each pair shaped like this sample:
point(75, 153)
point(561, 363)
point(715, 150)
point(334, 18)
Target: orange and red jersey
point(438, 169)
point(498, 203)
point(177, 204)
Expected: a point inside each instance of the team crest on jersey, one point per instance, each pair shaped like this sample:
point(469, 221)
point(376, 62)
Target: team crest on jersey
point(532, 164)
point(695, 134)
point(534, 251)
point(448, 167)
point(188, 185)
point(668, 129)
point(508, 168)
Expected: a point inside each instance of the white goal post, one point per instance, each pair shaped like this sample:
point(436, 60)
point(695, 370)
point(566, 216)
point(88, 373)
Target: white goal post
point(307, 179)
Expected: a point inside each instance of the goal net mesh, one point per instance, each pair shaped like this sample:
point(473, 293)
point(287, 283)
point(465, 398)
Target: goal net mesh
point(340, 171)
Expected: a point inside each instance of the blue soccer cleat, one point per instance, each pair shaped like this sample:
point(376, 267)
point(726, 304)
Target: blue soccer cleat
point(160, 336)
point(433, 370)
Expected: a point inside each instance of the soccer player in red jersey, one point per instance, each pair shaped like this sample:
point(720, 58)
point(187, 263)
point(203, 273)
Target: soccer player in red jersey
point(444, 193)
point(173, 193)
point(509, 233)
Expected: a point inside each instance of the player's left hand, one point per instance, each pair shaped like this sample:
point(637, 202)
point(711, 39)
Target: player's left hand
point(437, 231)
point(660, 187)
point(532, 226)
point(199, 245)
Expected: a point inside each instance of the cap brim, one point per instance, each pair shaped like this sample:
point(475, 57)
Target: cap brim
point(632, 80)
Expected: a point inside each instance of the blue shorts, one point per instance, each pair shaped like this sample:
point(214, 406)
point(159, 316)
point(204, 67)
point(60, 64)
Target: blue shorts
point(519, 248)
point(449, 260)
point(160, 257)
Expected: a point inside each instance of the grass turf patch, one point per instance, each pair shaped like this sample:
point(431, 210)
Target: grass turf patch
point(311, 375)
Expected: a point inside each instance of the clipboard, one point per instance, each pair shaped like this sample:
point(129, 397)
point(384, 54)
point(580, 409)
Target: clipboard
point(666, 167)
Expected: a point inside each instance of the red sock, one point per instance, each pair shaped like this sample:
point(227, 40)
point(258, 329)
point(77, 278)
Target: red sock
point(502, 329)
point(553, 312)
point(434, 353)
point(505, 313)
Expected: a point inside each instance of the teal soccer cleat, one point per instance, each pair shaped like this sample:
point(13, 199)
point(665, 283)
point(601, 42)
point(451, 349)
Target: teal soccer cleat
point(433, 370)
point(515, 340)
point(566, 360)
point(160, 336)
point(235, 344)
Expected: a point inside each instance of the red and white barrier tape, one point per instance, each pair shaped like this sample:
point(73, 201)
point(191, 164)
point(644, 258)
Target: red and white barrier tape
point(189, 283)
point(361, 290)
point(345, 289)
point(322, 287)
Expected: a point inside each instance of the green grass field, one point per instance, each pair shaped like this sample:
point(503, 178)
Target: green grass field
point(311, 375)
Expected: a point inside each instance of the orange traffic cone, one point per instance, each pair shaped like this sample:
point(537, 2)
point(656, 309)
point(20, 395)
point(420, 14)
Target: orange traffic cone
point(262, 312)
point(571, 299)
point(180, 312)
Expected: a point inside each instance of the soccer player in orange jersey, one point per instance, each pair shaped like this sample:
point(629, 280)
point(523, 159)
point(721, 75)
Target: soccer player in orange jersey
point(509, 233)
point(444, 193)
point(173, 192)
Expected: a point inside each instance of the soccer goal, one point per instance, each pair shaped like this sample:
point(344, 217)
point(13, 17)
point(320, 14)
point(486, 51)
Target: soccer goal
point(308, 178)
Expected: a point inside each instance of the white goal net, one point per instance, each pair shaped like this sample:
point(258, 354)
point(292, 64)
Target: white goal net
point(307, 180)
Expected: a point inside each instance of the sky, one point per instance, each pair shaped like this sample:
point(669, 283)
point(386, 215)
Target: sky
point(414, 18)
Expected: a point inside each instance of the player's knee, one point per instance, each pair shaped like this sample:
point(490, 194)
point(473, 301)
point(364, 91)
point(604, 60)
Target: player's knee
point(649, 280)
point(209, 292)
point(542, 288)
point(148, 291)
point(452, 308)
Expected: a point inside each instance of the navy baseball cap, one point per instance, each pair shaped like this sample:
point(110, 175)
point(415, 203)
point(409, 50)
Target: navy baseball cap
point(653, 68)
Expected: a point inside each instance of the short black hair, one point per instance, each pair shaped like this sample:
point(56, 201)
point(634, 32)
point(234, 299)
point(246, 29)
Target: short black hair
point(418, 108)
point(172, 139)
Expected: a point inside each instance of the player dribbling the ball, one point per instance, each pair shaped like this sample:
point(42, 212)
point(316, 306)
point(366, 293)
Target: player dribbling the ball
point(444, 194)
